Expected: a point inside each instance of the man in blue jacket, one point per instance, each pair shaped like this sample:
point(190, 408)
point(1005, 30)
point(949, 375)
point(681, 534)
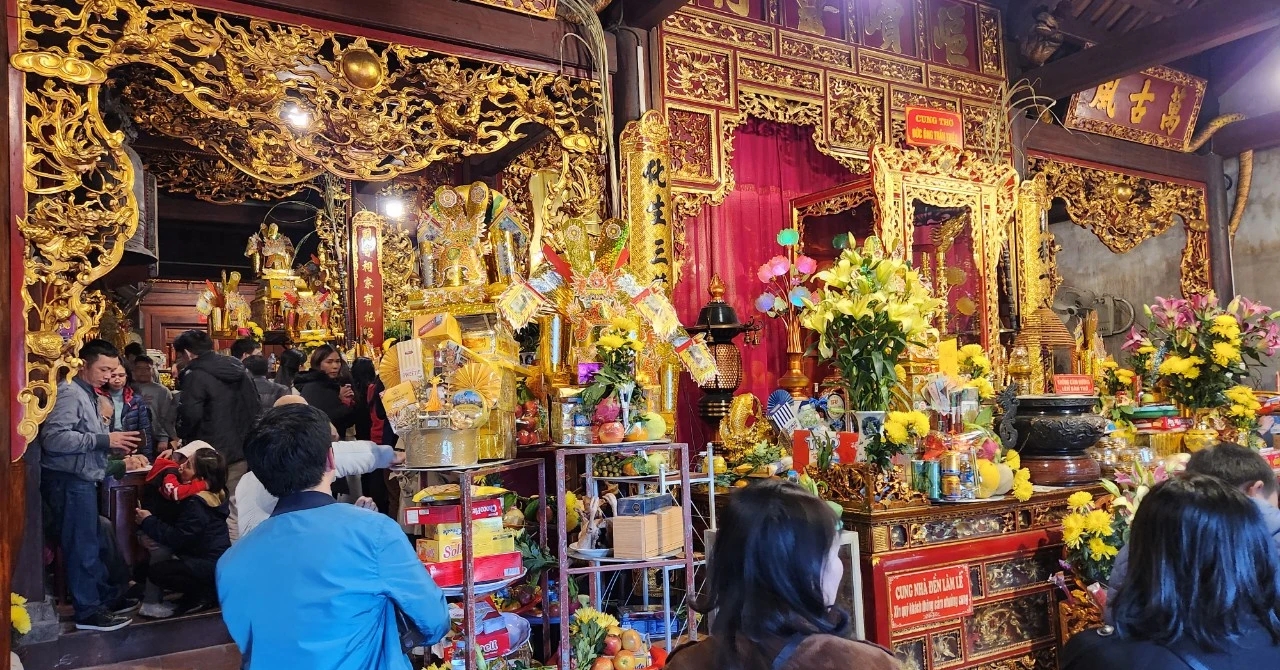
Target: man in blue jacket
point(317, 585)
point(73, 445)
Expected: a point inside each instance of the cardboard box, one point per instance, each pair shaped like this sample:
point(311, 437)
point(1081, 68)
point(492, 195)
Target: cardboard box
point(487, 569)
point(449, 547)
point(644, 504)
point(438, 514)
point(489, 526)
point(639, 537)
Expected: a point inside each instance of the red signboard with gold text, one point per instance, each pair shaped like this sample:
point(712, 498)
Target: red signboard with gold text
point(366, 228)
point(1157, 107)
point(929, 595)
point(930, 127)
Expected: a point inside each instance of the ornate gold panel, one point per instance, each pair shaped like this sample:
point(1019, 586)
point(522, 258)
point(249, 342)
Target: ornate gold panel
point(211, 179)
point(771, 73)
point(696, 73)
point(1124, 210)
point(948, 177)
point(964, 83)
point(817, 53)
point(891, 68)
point(707, 56)
point(1033, 251)
point(370, 111)
point(901, 98)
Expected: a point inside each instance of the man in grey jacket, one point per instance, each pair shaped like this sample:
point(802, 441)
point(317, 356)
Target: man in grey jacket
point(73, 444)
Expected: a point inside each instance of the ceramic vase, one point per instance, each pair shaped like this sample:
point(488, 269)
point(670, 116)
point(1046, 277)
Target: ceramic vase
point(869, 425)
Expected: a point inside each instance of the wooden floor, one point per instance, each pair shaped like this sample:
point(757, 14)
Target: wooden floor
point(196, 642)
point(225, 657)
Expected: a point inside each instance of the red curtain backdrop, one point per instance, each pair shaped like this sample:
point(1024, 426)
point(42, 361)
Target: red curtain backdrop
point(773, 163)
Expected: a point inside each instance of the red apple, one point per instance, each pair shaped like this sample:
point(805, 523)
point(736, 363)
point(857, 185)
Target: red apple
point(631, 640)
point(625, 660)
point(612, 645)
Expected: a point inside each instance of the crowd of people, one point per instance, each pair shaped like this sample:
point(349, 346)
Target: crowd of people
point(242, 473)
point(198, 496)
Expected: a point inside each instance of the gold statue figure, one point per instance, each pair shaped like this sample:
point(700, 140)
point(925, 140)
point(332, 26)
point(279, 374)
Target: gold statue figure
point(270, 250)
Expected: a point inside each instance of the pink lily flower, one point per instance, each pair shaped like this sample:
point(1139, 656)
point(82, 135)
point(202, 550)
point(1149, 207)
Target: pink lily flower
point(1135, 340)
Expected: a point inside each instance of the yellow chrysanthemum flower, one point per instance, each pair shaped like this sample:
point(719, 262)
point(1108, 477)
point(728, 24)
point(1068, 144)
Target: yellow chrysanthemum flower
point(1146, 349)
point(1110, 365)
point(1080, 501)
point(1098, 549)
point(919, 422)
point(896, 432)
point(1013, 460)
point(1022, 491)
point(1073, 530)
point(624, 325)
point(1225, 354)
point(970, 350)
point(1022, 475)
point(985, 389)
point(1098, 522)
point(610, 342)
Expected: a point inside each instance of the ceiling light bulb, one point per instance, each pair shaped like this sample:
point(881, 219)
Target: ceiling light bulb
point(393, 208)
point(297, 117)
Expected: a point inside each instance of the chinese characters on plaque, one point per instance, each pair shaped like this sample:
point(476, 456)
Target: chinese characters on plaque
point(1157, 107)
point(366, 228)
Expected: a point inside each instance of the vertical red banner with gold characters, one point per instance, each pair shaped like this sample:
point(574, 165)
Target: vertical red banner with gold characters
point(646, 198)
point(366, 228)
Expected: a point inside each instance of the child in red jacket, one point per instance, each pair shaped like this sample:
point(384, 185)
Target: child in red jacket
point(167, 485)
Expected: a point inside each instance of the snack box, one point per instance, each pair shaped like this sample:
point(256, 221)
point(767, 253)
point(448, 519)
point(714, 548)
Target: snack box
point(437, 514)
point(449, 547)
point(488, 526)
point(486, 569)
point(644, 504)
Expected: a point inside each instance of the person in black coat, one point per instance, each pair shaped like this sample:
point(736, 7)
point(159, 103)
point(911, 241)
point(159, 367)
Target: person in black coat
point(327, 386)
point(198, 536)
point(1201, 591)
point(217, 403)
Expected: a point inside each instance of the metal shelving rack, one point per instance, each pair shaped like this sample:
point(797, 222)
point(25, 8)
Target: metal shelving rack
point(463, 477)
point(596, 568)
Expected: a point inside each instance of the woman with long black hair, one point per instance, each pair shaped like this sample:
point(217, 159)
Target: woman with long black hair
point(773, 576)
point(327, 385)
point(1200, 592)
point(290, 363)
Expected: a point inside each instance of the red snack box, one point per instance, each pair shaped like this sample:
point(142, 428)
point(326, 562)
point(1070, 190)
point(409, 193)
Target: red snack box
point(494, 644)
point(433, 514)
point(486, 568)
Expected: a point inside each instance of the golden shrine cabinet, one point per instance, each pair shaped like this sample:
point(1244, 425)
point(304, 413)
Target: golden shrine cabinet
point(965, 585)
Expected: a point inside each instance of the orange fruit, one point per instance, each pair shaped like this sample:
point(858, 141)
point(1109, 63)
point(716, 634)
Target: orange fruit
point(631, 641)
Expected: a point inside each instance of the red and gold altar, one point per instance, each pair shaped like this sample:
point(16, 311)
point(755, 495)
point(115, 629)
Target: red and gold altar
point(528, 273)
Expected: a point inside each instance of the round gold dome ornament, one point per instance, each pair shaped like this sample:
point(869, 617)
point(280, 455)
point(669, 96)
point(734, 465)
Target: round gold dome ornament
point(361, 67)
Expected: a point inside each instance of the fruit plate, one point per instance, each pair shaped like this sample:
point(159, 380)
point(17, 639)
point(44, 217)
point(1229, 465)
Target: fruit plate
point(610, 559)
point(484, 588)
point(519, 631)
point(672, 476)
point(591, 554)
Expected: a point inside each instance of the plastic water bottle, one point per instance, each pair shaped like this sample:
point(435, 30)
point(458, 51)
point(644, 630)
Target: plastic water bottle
point(459, 659)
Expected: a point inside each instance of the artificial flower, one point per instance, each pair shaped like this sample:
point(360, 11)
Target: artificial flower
point(765, 302)
point(800, 296)
point(788, 236)
point(765, 273)
point(1098, 549)
point(1073, 530)
point(806, 265)
point(1099, 522)
point(1080, 501)
point(779, 265)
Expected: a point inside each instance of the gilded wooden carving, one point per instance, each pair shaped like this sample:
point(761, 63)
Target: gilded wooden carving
point(212, 179)
point(1032, 245)
point(282, 103)
point(717, 65)
point(543, 9)
point(1124, 210)
point(947, 177)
